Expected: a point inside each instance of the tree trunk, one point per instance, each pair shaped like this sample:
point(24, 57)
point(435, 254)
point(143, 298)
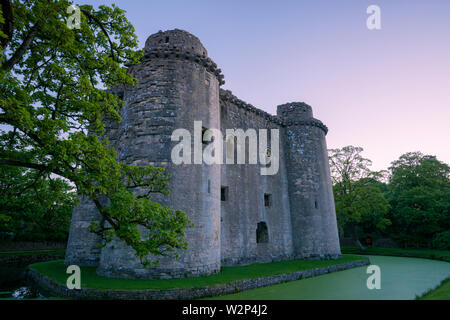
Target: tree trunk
point(356, 239)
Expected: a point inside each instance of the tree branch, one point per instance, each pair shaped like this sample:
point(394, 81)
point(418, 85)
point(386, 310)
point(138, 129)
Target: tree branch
point(30, 165)
point(94, 19)
point(17, 56)
point(104, 215)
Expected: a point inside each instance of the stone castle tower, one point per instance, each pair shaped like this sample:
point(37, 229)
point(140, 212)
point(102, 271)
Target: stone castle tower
point(239, 215)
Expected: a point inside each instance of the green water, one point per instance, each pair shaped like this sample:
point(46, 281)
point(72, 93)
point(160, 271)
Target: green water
point(401, 278)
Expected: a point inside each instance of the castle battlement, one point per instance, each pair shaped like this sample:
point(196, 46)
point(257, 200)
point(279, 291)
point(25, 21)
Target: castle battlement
point(179, 44)
point(227, 96)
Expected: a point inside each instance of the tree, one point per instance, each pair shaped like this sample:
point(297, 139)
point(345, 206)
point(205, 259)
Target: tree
point(357, 197)
point(6, 22)
point(35, 207)
point(52, 99)
point(419, 193)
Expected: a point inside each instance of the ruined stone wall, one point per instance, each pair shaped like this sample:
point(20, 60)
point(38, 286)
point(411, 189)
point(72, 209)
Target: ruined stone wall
point(177, 85)
point(173, 91)
point(245, 207)
point(82, 245)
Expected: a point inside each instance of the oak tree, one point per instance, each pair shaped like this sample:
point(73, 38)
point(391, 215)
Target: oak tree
point(358, 199)
point(53, 112)
point(419, 192)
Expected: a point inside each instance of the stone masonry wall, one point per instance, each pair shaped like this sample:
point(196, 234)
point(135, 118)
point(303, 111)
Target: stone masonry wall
point(173, 91)
point(245, 206)
point(313, 216)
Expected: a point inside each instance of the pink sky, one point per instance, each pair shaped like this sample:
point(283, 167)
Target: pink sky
point(386, 90)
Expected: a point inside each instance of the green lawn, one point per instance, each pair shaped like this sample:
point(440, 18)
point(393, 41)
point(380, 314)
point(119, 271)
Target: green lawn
point(443, 255)
point(441, 292)
point(89, 279)
point(31, 252)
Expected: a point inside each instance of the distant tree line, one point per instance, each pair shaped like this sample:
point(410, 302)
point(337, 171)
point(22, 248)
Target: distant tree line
point(408, 203)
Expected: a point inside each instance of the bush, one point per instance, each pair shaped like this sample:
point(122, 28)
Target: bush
point(34, 207)
point(442, 240)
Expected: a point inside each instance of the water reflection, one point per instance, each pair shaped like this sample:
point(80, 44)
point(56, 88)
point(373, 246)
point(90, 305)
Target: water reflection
point(13, 285)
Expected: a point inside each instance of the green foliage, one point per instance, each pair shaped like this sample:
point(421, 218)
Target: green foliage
point(443, 255)
point(419, 193)
point(441, 292)
point(34, 207)
point(357, 193)
point(2, 21)
point(362, 203)
point(5, 24)
point(52, 99)
point(441, 240)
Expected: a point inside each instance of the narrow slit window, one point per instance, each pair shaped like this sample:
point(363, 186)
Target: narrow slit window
point(224, 193)
point(267, 200)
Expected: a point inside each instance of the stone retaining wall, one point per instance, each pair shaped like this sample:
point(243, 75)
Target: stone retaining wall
point(55, 288)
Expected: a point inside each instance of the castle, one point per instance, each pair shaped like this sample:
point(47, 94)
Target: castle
point(239, 215)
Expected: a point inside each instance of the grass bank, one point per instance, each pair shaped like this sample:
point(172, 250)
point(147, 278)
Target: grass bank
point(441, 292)
point(443, 255)
point(89, 279)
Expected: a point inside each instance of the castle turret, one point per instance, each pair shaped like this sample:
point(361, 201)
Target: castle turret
point(313, 215)
point(83, 245)
point(178, 84)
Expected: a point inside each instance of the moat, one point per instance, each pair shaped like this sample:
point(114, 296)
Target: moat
point(401, 278)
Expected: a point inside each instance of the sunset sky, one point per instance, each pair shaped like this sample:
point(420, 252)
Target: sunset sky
point(386, 90)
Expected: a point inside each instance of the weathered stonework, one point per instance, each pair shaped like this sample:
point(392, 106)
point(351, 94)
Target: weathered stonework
point(178, 84)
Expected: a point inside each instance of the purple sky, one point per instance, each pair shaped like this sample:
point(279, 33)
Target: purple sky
point(386, 90)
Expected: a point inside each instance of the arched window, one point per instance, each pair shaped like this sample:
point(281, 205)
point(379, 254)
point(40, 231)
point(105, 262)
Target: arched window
point(262, 234)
